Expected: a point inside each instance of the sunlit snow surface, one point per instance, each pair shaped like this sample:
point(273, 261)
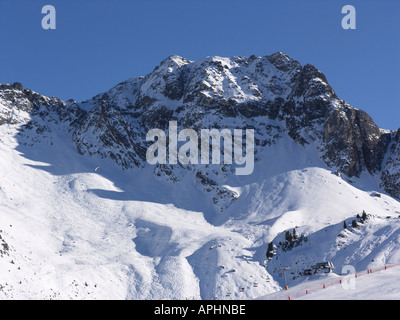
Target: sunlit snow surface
point(79, 227)
point(376, 285)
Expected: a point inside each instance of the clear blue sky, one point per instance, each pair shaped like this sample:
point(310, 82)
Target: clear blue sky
point(98, 44)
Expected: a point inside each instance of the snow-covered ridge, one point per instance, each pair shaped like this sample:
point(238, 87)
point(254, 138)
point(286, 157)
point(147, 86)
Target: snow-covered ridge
point(272, 94)
point(84, 214)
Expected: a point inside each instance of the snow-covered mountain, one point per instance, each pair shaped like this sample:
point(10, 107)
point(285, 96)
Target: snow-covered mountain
point(84, 215)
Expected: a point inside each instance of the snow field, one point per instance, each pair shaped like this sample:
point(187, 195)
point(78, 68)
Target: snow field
point(371, 284)
point(79, 227)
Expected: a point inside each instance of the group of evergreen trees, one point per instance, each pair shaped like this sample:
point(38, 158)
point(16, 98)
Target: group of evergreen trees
point(291, 240)
point(363, 218)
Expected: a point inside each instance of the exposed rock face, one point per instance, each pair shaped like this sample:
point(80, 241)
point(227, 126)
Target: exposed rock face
point(353, 141)
point(391, 173)
point(29, 103)
point(274, 94)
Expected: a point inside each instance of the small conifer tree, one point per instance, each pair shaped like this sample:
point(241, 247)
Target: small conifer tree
point(364, 216)
point(270, 250)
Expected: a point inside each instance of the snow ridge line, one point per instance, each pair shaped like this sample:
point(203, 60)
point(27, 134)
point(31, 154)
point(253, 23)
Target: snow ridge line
point(339, 281)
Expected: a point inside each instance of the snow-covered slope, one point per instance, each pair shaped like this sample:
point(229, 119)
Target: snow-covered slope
point(379, 284)
point(382, 285)
point(83, 215)
point(74, 232)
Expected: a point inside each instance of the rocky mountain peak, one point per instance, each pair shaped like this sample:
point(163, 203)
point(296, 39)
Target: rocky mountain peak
point(283, 62)
point(273, 94)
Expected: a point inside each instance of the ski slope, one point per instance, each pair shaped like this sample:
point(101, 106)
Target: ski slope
point(382, 284)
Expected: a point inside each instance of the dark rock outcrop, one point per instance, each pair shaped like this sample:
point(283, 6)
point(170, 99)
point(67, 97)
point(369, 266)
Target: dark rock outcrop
point(274, 94)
